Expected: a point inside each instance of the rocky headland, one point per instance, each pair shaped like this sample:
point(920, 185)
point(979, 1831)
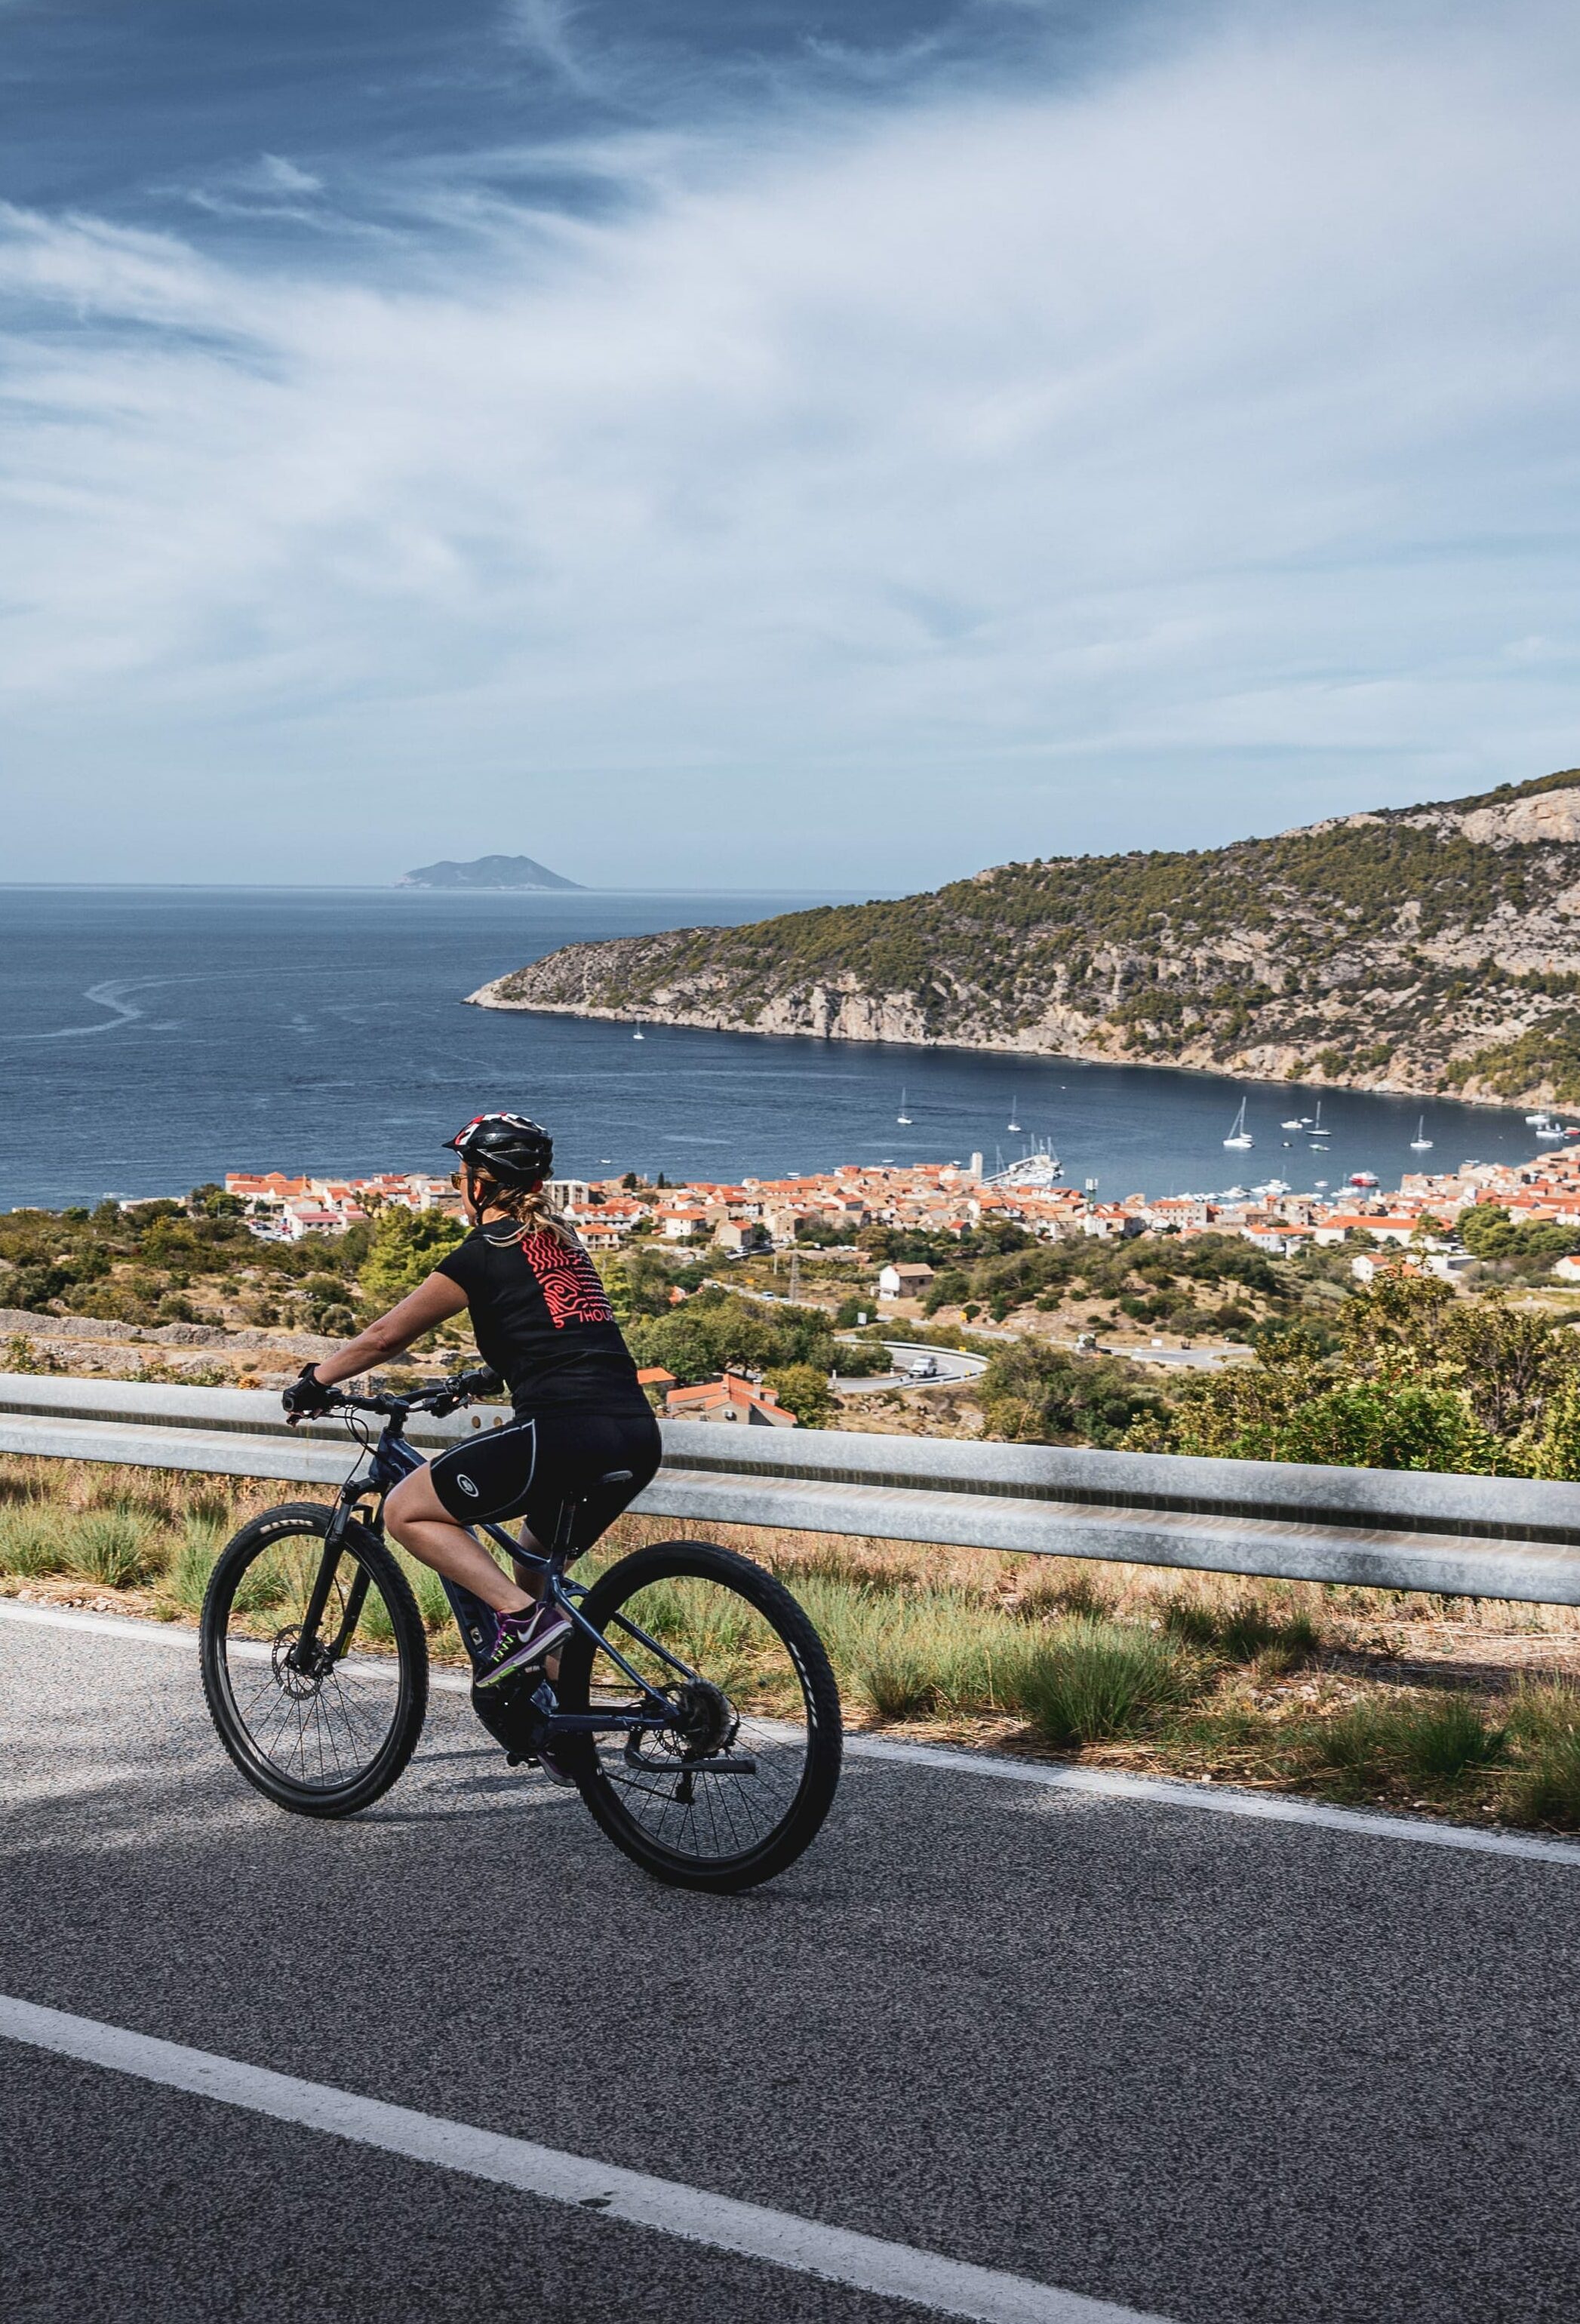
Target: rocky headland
point(1432, 949)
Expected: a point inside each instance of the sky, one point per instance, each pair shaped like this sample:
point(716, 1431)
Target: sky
point(775, 446)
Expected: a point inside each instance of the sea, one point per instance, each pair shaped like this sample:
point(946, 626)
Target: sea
point(153, 1039)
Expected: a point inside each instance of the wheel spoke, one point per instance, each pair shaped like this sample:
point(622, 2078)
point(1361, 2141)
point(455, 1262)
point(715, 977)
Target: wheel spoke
point(748, 1702)
point(323, 1729)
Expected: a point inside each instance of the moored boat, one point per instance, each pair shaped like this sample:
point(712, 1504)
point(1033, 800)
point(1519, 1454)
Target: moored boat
point(1240, 1138)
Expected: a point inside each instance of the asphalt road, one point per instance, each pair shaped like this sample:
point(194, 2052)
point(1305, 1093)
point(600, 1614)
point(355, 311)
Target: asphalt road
point(1221, 2071)
point(951, 1365)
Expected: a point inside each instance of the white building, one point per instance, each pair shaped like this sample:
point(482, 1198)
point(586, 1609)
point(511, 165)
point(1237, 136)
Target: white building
point(904, 1279)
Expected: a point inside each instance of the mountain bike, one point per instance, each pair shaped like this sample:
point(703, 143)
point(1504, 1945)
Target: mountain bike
point(694, 1706)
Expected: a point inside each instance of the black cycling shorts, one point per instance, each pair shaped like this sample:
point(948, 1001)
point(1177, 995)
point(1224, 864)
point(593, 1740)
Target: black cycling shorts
point(542, 1460)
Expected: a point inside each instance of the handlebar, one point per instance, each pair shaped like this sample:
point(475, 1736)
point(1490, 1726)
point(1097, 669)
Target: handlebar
point(438, 1396)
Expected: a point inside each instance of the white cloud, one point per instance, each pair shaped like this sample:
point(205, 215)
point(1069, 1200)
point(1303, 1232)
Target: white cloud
point(279, 175)
point(1130, 465)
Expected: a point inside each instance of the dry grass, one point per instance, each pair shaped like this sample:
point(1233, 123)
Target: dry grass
point(1465, 1707)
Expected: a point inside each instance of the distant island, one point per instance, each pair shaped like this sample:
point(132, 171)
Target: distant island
point(488, 871)
point(1427, 949)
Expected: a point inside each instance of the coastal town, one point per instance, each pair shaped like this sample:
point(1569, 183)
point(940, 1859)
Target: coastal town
point(902, 1292)
point(823, 1209)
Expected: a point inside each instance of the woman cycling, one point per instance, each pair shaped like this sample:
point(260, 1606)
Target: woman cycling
point(542, 1321)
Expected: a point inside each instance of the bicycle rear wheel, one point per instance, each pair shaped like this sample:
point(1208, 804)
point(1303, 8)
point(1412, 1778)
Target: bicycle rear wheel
point(329, 1739)
point(735, 1790)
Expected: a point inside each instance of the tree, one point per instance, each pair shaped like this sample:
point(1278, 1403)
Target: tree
point(803, 1389)
point(638, 1284)
point(1419, 1380)
point(214, 1203)
point(1491, 1234)
point(950, 1288)
point(1035, 1394)
point(404, 1247)
point(716, 1328)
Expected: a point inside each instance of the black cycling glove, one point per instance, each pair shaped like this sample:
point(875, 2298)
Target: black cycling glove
point(305, 1396)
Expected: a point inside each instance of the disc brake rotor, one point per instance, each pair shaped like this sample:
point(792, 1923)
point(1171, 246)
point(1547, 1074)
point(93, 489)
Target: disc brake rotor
point(300, 1685)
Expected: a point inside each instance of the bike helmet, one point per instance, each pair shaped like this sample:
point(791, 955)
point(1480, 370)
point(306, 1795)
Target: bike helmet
point(511, 1150)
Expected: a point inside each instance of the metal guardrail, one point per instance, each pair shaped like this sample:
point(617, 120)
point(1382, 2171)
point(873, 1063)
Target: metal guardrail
point(1471, 1536)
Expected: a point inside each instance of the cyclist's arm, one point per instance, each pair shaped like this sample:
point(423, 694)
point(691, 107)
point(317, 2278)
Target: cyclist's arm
point(433, 1302)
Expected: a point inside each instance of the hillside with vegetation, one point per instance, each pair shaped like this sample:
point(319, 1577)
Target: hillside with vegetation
point(1430, 949)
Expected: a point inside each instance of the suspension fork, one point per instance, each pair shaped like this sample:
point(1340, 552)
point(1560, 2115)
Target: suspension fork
point(306, 1653)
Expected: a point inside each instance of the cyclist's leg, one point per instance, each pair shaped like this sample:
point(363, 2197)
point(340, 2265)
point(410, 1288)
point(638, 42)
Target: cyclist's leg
point(530, 1577)
point(577, 1449)
point(574, 1449)
point(422, 1524)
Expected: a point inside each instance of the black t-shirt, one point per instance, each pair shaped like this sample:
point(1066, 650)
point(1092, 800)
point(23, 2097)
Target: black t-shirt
point(542, 1321)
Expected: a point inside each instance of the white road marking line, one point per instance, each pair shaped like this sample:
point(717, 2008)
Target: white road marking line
point(894, 2271)
point(109, 1626)
point(1103, 1782)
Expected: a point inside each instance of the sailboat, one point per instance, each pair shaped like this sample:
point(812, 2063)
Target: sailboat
point(1317, 1129)
point(1240, 1138)
point(638, 1037)
point(1012, 1123)
point(903, 1118)
point(1420, 1143)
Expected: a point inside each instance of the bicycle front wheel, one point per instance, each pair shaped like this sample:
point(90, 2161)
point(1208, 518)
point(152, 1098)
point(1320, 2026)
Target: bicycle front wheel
point(323, 1732)
point(736, 1785)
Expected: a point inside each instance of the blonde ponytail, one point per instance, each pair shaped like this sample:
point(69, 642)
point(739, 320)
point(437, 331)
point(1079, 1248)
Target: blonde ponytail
point(537, 1217)
point(530, 1208)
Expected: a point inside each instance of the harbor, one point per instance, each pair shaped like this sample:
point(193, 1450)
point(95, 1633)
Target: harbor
point(321, 1028)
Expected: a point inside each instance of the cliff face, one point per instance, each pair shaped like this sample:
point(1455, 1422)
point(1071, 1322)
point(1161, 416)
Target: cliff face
point(1425, 949)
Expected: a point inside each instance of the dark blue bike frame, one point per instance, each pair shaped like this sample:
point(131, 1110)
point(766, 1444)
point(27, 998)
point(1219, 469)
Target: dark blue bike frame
point(391, 1459)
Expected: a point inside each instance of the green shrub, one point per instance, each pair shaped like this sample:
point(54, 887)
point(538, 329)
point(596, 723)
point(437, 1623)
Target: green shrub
point(262, 1588)
point(1098, 1680)
point(117, 1548)
point(1058, 1589)
point(1544, 1729)
point(909, 1657)
point(1191, 1619)
point(1245, 1630)
point(32, 1541)
point(187, 1580)
point(374, 1622)
point(898, 1678)
point(1440, 1741)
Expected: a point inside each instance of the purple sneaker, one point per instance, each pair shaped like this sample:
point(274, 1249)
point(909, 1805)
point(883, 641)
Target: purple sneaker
point(520, 1639)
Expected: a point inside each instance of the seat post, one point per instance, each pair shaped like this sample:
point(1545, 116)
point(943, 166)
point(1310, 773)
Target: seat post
point(562, 1549)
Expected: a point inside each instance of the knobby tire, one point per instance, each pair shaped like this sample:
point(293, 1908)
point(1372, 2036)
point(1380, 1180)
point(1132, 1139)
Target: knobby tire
point(772, 1851)
point(343, 1791)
